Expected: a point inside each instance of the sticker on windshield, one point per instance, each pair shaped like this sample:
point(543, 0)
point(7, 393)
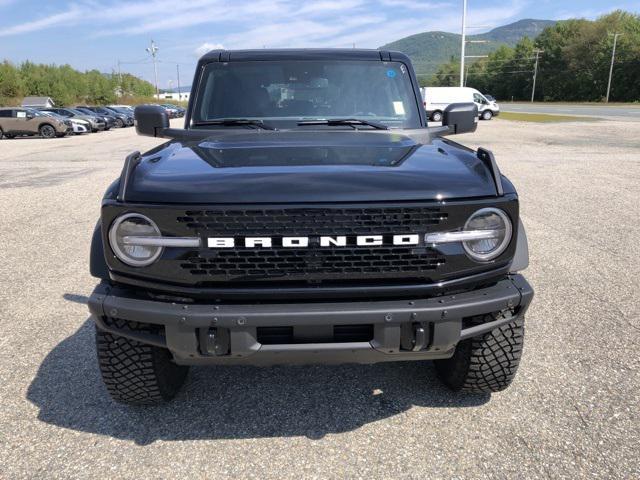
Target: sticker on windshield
point(391, 73)
point(398, 107)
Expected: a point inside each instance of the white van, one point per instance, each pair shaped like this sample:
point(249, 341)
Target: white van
point(436, 99)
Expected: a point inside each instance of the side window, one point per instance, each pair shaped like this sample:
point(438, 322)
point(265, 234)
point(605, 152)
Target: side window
point(479, 99)
point(5, 113)
point(20, 114)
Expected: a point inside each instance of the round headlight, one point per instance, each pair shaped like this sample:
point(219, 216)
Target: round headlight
point(497, 228)
point(126, 238)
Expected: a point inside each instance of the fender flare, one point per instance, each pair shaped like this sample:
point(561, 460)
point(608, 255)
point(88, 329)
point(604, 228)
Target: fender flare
point(97, 263)
point(521, 257)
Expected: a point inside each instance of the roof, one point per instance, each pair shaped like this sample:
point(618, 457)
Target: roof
point(37, 100)
point(303, 54)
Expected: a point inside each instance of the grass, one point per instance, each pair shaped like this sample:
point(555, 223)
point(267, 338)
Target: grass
point(543, 117)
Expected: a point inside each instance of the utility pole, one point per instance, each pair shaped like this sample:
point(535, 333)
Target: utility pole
point(153, 50)
point(178, 72)
point(613, 58)
point(120, 79)
point(535, 74)
point(464, 41)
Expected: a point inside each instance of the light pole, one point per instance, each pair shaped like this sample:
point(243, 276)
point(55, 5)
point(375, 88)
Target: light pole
point(153, 50)
point(178, 72)
point(464, 41)
point(613, 58)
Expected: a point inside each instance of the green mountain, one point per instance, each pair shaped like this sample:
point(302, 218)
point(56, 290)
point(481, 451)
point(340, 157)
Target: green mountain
point(429, 50)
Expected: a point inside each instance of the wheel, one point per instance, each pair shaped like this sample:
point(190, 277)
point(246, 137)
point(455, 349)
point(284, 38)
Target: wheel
point(436, 116)
point(119, 123)
point(47, 131)
point(135, 373)
point(1, 134)
point(486, 363)
point(487, 115)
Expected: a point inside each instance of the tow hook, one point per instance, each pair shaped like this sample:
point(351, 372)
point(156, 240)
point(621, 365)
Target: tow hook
point(414, 337)
point(214, 341)
point(419, 337)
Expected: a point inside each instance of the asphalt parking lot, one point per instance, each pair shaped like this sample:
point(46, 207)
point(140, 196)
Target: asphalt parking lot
point(572, 411)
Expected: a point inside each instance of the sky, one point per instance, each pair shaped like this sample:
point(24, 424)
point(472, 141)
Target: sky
point(97, 34)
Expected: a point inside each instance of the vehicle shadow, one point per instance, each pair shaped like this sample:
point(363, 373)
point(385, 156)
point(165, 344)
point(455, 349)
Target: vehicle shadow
point(235, 402)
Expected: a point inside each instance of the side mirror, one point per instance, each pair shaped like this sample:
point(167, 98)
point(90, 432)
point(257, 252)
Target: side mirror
point(150, 120)
point(461, 118)
point(30, 116)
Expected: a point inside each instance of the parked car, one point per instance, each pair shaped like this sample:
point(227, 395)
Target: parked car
point(79, 126)
point(96, 123)
point(121, 111)
point(20, 121)
point(437, 99)
point(171, 112)
point(176, 109)
point(120, 119)
point(126, 108)
point(110, 120)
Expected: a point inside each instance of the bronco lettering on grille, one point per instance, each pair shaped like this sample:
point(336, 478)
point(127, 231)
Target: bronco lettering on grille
point(322, 241)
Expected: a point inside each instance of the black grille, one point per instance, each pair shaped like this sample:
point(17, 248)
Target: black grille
point(309, 264)
point(312, 221)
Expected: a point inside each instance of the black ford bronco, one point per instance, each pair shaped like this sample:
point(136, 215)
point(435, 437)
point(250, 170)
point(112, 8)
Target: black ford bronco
point(307, 213)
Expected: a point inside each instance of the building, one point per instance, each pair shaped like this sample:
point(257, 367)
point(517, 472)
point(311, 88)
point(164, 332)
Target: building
point(39, 102)
point(182, 96)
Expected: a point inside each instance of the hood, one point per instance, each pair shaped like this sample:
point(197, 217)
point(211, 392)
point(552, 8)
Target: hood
point(292, 167)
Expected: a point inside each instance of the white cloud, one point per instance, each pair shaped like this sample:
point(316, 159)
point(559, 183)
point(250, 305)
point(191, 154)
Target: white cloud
point(57, 19)
point(207, 47)
point(271, 23)
point(416, 5)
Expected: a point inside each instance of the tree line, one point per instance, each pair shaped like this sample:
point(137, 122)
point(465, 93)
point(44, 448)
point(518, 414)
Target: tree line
point(574, 58)
point(67, 86)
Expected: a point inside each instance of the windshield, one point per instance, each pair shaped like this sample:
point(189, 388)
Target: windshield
point(285, 92)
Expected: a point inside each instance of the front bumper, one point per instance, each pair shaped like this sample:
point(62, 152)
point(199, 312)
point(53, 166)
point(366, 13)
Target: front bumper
point(420, 329)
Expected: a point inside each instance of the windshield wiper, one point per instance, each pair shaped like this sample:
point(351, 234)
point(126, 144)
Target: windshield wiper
point(230, 122)
point(352, 122)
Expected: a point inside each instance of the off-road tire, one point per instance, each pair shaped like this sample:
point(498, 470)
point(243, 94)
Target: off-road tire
point(135, 373)
point(436, 116)
point(487, 115)
point(486, 363)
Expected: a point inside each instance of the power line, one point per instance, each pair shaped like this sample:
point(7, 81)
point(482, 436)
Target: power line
point(471, 74)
